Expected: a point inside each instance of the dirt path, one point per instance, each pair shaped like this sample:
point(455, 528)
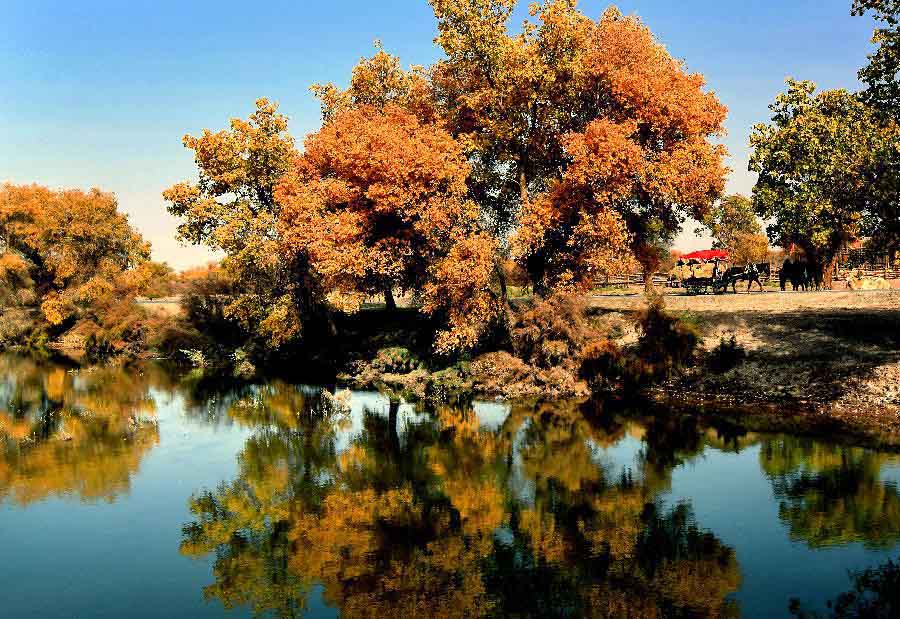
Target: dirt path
point(769, 301)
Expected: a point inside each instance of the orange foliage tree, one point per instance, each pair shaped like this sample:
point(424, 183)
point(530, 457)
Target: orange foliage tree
point(76, 247)
point(603, 96)
point(583, 142)
point(638, 167)
point(378, 201)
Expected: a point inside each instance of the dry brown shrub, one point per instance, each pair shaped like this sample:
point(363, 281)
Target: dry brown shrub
point(551, 332)
point(500, 373)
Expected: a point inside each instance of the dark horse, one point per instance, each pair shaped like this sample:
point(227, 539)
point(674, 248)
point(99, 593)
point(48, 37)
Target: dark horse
point(750, 273)
point(802, 275)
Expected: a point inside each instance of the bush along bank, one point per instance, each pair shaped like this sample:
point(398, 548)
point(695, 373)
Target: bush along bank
point(547, 348)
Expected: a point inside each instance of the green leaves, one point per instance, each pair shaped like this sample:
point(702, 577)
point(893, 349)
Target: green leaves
point(821, 164)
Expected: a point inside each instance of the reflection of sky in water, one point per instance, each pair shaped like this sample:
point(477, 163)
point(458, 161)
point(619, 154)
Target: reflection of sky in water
point(619, 459)
point(491, 415)
point(362, 402)
point(890, 473)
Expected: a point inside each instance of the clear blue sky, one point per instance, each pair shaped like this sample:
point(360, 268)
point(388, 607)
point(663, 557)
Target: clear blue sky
point(99, 93)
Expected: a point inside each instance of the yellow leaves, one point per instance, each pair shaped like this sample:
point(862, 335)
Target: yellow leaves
point(596, 245)
point(606, 158)
point(55, 309)
point(282, 323)
point(460, 287)
point(649, 84)
point(378, 200)
point(70, 246)
point(691, 174)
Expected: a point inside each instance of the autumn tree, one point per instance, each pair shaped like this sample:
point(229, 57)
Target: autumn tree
point(377, 202)
point(380, 81)
point(567, 91)
point(820, 170)
point(75, 247)
point(232, 209)
point(731, 216)
point(734, 227)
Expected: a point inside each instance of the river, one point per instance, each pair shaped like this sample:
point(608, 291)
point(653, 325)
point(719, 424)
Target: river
point(147, 492)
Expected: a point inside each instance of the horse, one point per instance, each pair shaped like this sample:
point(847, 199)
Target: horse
point(784, 273)
point(802, 275)
point(750, 273)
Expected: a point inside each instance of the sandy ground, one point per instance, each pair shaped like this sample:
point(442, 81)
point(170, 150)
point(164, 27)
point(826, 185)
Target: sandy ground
point(836, 353)
point(167, 305)
point(769, 301)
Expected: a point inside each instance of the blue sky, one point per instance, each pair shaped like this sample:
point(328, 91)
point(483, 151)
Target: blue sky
point(99, 93)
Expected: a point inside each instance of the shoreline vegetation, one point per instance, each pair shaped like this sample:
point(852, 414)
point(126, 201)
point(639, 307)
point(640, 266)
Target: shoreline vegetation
point(544, 161)
point(819, 363)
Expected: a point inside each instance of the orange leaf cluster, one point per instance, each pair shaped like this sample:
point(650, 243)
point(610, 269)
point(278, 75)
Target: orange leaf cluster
point(378, 201)
point(76, 244)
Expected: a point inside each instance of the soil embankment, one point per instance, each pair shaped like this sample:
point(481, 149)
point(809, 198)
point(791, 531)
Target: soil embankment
point(833, 354)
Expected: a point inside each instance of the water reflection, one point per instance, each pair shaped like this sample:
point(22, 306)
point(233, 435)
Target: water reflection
point(69, 432)
point(441, 516)
point(830, 495)
point(377, 508)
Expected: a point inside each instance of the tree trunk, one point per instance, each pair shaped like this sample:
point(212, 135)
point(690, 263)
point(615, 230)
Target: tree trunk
point(828, 274)
point(394, 435)
point(389, 302)
point(501, 277)
point(649, 288)
point(523, 182)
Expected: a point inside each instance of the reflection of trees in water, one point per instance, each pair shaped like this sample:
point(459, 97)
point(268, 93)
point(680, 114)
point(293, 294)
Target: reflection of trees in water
point(424, 520)
point(832, 494)
point(82, 433)
point(875, 594)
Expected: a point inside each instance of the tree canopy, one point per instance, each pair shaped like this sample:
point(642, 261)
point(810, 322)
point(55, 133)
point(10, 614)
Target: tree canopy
point(820, 163)
point(232, 209)
point(880, 75)
point(70, 247)
point(573, 145)
point(586, 137)
point(735, 227)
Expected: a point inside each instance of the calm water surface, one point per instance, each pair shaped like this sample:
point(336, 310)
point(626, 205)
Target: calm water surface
point(143, 493)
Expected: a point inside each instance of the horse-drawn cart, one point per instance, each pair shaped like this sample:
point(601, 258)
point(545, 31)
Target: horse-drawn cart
point(701, 272)
point(710, 271)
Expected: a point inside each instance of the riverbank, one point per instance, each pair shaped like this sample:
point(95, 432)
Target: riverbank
point(833, 356)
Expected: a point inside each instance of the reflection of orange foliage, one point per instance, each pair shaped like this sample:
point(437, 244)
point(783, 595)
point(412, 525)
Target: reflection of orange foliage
point(85, 466)
point(94, 431)
point(411, 522)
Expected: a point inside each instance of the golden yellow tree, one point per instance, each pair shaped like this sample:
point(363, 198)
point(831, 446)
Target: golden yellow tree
point(75, 246)
point(232, 209)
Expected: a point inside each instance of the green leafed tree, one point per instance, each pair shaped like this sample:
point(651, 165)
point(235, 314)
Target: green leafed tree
point(729, 218)
point(822, 163)
point(882, 79)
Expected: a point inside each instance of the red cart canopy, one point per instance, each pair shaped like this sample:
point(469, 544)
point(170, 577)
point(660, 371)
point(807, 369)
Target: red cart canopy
point(706, 254)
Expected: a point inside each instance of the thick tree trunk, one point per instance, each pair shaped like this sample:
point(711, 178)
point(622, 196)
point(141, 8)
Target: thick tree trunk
point(649, 288)
point(389, 302)
point(828, 273)
point(501, 277)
